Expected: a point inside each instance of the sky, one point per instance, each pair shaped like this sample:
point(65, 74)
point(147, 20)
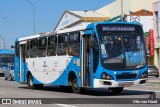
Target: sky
point(16, 16)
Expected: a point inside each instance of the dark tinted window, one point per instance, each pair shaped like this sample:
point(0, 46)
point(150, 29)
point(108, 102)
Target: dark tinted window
point(74, 44)
point(33, 48)
point(62, 44)
point(42, 47)
point(27, 51)
point(154, 67)
point(52, 44)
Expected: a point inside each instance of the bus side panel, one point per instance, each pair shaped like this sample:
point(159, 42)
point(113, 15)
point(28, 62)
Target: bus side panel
point(16, 69)
point(72, 67)
point(63, 78)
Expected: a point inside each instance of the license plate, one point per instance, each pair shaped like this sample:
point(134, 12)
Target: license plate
point(126, 84)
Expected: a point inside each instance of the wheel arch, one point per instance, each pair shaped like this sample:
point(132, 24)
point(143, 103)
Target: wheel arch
point(28, 73)
point(71, 75)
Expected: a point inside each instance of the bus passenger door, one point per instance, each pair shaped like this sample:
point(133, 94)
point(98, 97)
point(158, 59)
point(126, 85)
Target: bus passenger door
point(22, 62)
point(85, 61)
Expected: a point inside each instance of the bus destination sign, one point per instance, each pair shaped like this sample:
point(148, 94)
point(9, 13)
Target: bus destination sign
point(106, 28)
point(118, 28)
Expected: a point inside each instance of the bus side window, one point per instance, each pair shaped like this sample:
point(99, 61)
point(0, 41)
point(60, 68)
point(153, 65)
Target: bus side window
point(62, 44)
point(33, 48)
point(95, 54)
point(17, 49)
point(74, 44)
point(52, 45)
point(27, 51)
point(42, 47)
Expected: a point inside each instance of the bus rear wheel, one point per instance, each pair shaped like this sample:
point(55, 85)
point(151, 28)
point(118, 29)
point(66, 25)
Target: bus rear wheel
point(117, 90)
point(31, 84)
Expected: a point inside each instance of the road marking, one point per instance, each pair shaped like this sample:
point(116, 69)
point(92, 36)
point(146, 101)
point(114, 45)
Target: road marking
point(1, 92)
point(65, 105)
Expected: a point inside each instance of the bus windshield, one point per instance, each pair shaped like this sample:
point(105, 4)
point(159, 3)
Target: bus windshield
point(6, 59)
point(122, 51)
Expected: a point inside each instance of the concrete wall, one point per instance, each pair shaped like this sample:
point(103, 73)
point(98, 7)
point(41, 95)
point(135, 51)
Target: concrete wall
point(156, 29)
point(155, 9)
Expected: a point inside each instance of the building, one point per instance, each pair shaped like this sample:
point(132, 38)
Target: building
point(76, 18)
point(119, 7)
point(132, 11)
point(156, 27)
point(141, 16)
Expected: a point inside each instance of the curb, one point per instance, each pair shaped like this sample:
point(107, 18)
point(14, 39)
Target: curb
point(153, 83)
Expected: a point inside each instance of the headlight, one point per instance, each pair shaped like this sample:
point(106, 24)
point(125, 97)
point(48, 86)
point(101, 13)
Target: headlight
point(106, 76)
point(143, 75)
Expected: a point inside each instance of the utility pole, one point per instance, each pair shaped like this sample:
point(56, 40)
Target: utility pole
point(3, 41)
point(122, 10)
point(34, 20)
point(86, 15)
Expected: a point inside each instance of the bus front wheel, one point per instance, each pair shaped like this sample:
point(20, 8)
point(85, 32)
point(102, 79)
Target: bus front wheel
point(75, 88)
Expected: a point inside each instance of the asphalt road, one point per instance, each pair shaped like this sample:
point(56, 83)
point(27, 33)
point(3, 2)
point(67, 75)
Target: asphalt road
point(11, 89)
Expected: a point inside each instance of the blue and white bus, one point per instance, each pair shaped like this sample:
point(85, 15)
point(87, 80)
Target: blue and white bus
point(6, 57)
point(107, 55)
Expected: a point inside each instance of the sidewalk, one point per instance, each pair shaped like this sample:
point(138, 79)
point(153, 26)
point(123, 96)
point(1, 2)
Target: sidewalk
point(153, 81)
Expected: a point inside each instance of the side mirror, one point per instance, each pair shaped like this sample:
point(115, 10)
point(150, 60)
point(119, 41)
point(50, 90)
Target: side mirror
point(12, 46)
point(91, 42)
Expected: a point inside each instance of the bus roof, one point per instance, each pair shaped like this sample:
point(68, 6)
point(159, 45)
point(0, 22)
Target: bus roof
point(57, 32)
point(67, 30)
point(28, 37)
point(78, 28)
point(2, 51)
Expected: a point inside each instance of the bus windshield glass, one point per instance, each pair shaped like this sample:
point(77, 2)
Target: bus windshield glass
point(6, 59)
point(122, 50)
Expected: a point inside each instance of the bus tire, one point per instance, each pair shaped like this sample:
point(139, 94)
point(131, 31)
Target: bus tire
point(66, 88)
point(31, 85)
point(117, 90)
point(75, 88)
point(39, 86)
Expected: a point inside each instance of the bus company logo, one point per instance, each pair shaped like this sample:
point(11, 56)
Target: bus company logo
point(44, 64)
point(6, 101)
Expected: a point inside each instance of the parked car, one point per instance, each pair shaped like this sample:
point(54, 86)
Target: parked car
point(153, 71)
point(2, 71)
point(9, 74)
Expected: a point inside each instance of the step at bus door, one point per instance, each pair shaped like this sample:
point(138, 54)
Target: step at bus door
point(85, 61)
point(22, 61)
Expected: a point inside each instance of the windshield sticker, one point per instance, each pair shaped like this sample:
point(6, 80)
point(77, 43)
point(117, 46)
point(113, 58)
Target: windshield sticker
point(103, 51)
point(105, 56)
point(102, 46)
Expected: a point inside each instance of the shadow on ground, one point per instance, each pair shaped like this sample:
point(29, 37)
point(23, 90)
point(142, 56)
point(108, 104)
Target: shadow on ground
point(93, 92)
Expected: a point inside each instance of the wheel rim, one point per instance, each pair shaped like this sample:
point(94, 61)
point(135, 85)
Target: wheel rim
point(30, 81)
point(75, 85)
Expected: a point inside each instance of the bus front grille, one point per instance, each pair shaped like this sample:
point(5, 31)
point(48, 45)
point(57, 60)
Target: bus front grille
point(126, 76)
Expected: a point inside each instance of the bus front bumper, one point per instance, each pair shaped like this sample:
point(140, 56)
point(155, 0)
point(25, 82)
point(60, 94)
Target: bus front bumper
point(101, 83)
